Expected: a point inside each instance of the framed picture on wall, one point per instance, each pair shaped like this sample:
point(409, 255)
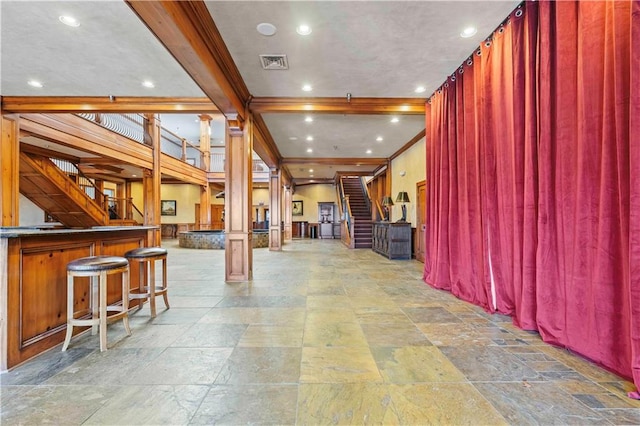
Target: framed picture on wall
point(168, 207)
point(297, 208)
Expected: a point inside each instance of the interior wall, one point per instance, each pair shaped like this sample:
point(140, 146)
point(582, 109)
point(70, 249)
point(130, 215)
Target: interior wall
point(412, 163)
point(311, 195)
point(30, 214)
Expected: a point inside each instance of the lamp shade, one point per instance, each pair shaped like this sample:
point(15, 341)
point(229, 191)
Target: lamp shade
point(387, 201)
point(402, 197)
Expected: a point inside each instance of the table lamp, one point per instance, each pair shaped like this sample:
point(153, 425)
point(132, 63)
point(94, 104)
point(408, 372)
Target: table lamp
point(387, 202)
point(403, 198)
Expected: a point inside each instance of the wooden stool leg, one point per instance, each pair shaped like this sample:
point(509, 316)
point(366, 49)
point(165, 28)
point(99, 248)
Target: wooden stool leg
point(70, 294)
point(125, 300)
point(103, 311)
point(94, 284)
point(165, 294)
point(141, 282)
point(151, 285)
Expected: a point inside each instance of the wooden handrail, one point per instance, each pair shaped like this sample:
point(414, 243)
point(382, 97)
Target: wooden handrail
point(128, 202)
point(366, 190)
point(380, 211)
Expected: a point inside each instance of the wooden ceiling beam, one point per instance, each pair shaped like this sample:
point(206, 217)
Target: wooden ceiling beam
point(335, 161)
point(106, 104)
point(379, 106)
point(263, 143)
point(188, 32)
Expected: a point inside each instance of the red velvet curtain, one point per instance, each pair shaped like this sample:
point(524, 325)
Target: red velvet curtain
point(533, 150)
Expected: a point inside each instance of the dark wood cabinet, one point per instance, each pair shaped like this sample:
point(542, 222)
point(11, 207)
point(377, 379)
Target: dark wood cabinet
point(392, 240)
point(299, 229)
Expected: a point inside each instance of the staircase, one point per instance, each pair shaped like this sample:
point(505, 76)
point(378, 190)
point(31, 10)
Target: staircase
point(360, 211)
point(48, 187)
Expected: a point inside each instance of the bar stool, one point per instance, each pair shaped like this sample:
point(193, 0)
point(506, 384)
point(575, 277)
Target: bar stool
point(148, 290)
point(98, 268)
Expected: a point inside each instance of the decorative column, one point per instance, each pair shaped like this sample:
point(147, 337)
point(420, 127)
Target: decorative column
point(275, 208)
point(205, 164)
point(288, 197)
point(151, 179)
point(238, 201)
point(9, 171)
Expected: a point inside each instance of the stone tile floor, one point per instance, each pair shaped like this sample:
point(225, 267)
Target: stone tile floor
point(322, 335)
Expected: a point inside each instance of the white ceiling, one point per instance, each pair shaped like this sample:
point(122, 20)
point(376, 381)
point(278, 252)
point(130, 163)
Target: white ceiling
point(365, 48)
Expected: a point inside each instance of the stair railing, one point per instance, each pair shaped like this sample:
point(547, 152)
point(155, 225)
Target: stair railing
point(380, 211)
point(131, 213)
point(365, 191)
point(346, 212)
point(87, 184)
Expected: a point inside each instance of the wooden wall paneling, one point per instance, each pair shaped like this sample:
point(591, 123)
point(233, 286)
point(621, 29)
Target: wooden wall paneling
point(4, 303)
point(43, 307)
point(33, 285)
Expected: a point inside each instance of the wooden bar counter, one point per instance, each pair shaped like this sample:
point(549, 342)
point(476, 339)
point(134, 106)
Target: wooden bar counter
point(33, 282)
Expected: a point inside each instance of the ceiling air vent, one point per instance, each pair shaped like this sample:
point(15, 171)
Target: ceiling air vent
point(274, 62)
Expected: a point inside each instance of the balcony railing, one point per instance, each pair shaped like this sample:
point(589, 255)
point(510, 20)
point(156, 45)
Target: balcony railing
point(132, 127)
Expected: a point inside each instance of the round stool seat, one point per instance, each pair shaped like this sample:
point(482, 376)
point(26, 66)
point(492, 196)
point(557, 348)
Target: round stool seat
point(144, 252)
point(97, 263)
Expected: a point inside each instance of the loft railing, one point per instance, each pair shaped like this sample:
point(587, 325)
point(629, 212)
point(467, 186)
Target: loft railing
point(218, 158)
point(132, 127)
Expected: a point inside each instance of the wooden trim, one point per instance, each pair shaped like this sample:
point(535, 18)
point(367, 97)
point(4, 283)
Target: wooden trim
point(408, 145)
point(189, 33)
point(77, 104)
point(380, 106)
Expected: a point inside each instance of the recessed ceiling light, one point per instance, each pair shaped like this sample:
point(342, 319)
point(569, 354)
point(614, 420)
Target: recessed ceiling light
point(308, 119)
point(303, 29)
point(266, 29)
point(309, 138)
point(310, 170)
point(309, 150)
point(69, 20)
point(293, 138)
point(34, 83)
point(134, 175)
point(395, 119)
point(307, 88)
point(369, 151)
point(379, 139)
point(420, 89)
point(148, 84)
point(468, 32)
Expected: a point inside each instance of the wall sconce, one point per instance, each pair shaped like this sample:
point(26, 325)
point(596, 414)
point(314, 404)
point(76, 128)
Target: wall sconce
point(403, 198)
point(387, 202)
